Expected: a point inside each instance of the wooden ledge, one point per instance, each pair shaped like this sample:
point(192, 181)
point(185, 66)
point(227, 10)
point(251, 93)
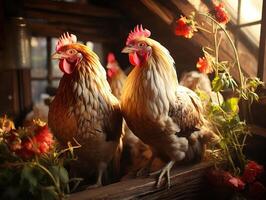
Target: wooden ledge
point(186, 183)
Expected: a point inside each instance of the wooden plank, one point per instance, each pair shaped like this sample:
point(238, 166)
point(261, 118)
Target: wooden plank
point(257, 130)
point(83, 33)
point(71, 8)
point(9, 93)
point(262, 47)
point(49, 66)
point(160, 10)
point(75, 20)
point(186, 183)
point(24, 91)
point(2, 32)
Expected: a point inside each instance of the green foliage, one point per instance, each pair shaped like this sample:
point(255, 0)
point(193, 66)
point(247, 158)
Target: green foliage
point(43, 177)
point(224, 118)
point(223, 81)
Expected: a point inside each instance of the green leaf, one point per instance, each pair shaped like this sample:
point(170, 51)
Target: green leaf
point(28, 176)
point(231, 105)
point(217, 84)
point(49, 193)
point(60, 174)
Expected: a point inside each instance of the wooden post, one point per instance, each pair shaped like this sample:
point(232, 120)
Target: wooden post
point(48, 61)
point(262, 47)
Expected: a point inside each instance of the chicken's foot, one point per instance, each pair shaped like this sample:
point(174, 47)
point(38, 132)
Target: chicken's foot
point(165, 171)
point(101, 170)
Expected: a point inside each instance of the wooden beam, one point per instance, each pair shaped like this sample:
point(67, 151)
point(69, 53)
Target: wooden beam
point(257, 130)
point(75, 20)
point(49, 66)
point(262, 47)
point(84, 33)
point(186, 183)
point(2, 28)
point(71, 8)
point(160, 10)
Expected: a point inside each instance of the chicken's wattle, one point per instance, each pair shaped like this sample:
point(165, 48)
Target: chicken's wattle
point(112, 71)
point(134, 59)
point(66, 67)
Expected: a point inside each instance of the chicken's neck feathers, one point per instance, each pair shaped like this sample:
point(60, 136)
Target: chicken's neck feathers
point(87, 95)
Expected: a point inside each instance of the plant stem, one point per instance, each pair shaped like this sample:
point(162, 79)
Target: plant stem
point(50, 175)
point(203, 29)
point(233, 46)
point(238, 149)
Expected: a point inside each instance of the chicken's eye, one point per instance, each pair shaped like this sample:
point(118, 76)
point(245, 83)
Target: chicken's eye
point(71, 51)
point(141, 44)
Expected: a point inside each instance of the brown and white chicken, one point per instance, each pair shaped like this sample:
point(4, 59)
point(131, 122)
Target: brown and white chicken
point(84, 107)
point(163, 114)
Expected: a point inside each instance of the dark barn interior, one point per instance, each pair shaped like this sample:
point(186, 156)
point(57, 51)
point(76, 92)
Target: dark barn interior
point(30, 30)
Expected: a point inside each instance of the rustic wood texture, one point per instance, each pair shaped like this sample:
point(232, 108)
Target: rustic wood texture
point(89, 22)
point(10, 104)
point(71, 8)
point(262, 47)
point(186, 183)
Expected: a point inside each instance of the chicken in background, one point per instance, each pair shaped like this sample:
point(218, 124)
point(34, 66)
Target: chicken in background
point(139, 153)
point(199, 81)
point(115, 75)
point(84, 108)
point(39, 111)
point(166, 116)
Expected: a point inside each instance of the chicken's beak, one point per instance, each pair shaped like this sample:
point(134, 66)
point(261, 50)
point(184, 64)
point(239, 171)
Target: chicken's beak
point(56, 56)
point(128, 49)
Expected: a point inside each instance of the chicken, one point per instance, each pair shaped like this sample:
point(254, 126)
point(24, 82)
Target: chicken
point(199, 81)
point(163, 114)
point(139, 152)
point(39, 111)
point(115, 75)
point(84, 107)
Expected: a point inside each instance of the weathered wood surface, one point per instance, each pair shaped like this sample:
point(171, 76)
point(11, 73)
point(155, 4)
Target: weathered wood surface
point(186, 183)
point(71, 8)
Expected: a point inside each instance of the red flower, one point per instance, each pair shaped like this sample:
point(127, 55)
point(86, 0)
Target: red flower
point(218, 177)
point(204, 66)
point(257, 191)
point(38, 144)
point(236, 183)
point(221, 14)
point(184, 27)
point(251, 171)
point(13, 141)
point(224, 178)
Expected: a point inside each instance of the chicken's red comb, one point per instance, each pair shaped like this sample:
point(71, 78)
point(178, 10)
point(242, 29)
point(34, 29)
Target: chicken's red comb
point(138, 31)
point(65, 39)
point(111, 57)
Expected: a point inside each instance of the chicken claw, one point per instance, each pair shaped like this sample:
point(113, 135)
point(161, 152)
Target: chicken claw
point(165, 171)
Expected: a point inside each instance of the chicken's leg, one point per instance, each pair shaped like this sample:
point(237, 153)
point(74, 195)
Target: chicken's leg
point(101, 170)
point(165, 171)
